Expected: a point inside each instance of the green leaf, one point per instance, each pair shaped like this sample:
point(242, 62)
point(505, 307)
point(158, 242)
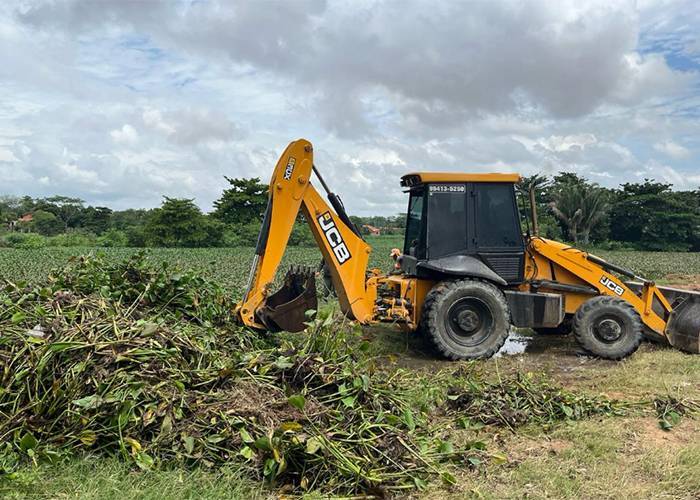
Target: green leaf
point(144, 461)
point(28, 442)
point(408, 419)
point(245, 437)
point(297, 401)
point(247, 452)
point(420, 484)
point(348, 401)
point(215, 438)
point(263, 443)
point(189, 444)
point(448, 478)
point(313, 445)
point(270, 469)
point(18, 317)
point(446, 447)
point(568, 411)
point(88, 402)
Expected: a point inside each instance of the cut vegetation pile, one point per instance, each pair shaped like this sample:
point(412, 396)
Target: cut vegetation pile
point(144, 362)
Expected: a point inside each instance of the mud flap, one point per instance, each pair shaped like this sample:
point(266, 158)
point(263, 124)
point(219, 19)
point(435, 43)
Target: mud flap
point(286, 308)
point(683, 329)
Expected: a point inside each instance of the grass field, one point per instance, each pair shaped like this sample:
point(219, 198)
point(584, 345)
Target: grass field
point(599, 457)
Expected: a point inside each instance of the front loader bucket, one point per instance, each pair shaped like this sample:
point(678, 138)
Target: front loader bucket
point(286, 308)
point(683, 327)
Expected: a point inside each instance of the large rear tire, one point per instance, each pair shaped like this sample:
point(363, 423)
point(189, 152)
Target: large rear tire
point(466, 319)
point(608, 327)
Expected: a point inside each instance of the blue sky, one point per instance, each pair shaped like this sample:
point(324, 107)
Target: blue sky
point(122, 102)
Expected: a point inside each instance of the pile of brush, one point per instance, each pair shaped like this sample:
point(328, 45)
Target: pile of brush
point(144, 362)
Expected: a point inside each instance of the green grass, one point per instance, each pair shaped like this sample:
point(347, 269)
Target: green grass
point(110, 478)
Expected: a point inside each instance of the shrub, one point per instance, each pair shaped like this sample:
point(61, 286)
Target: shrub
point(24, 240)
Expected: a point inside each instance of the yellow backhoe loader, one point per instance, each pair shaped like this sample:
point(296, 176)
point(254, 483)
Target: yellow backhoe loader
point(465, 276)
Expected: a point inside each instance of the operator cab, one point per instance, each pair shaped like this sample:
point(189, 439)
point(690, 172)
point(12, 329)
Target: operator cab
point(463, 224)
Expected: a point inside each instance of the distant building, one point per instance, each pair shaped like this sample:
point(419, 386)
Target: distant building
point(25, 219)
point(375, 231)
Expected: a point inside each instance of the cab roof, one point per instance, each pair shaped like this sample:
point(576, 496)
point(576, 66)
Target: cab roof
point(415, 178)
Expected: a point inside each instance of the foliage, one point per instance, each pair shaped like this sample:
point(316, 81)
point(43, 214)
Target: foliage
point(243, 203)
point(68, 210)
point(180, 223)
point(652, 217)
point(45, 223)
point(578, 204)
point(120, 358)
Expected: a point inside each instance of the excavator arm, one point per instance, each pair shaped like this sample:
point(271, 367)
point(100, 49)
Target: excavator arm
point(342, 247)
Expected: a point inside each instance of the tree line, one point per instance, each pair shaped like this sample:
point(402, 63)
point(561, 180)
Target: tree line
point(644, 216)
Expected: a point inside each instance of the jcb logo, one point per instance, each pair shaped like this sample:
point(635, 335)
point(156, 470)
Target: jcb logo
point(290, 168)
point(611, 285)
point(335, 240)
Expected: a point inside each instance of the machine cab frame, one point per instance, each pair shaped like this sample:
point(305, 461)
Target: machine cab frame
point(452, 216)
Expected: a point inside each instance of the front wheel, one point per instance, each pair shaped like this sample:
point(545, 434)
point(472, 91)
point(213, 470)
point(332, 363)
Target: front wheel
point(608, 327)
point(466, 319)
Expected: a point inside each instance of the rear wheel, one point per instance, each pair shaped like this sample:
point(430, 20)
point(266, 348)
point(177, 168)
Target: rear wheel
point(608, 327)
point(466, 319)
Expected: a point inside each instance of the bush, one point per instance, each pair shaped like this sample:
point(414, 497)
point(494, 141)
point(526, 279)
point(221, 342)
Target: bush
point(241, 235)
point(24, 240)
point(113, 238)
point(73, 239)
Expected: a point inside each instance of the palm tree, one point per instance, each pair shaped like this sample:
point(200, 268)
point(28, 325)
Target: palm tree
point(579, 207)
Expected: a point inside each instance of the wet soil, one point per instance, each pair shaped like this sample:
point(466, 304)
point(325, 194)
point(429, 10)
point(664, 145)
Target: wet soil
point(523, 350)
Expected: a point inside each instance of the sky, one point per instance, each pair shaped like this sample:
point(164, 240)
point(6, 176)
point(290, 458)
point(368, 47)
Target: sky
point(121, 102)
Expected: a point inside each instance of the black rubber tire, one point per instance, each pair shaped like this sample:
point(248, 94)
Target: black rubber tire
point(563, 329)
point(450, 303)
point(591, 335)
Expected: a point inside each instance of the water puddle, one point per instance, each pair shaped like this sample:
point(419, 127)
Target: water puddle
point(523, 341)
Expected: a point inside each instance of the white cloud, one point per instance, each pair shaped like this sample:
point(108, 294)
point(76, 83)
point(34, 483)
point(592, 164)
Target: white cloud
point(126, 135)
point(672, 149)
point(172, 99)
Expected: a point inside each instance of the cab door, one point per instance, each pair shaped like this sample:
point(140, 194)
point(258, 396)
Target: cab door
point(495, 231)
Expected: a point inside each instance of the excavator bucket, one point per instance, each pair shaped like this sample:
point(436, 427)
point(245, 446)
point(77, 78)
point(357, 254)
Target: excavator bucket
point(286, 308)
point(683, 327)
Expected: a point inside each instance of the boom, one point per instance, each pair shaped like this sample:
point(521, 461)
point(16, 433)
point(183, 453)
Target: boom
point(344, 251)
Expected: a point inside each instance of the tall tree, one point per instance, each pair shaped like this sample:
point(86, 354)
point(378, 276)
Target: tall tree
point(96, 219)
point(245, 201)
point(67, 209)
point(45, 223)
point(578, 205)
point(180, 223)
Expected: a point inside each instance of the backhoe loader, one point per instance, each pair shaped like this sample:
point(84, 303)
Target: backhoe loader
point(466, 274)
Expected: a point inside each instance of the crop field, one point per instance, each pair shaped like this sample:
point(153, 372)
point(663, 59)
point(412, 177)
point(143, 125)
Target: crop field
point(230, 266)
point(120, 378)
